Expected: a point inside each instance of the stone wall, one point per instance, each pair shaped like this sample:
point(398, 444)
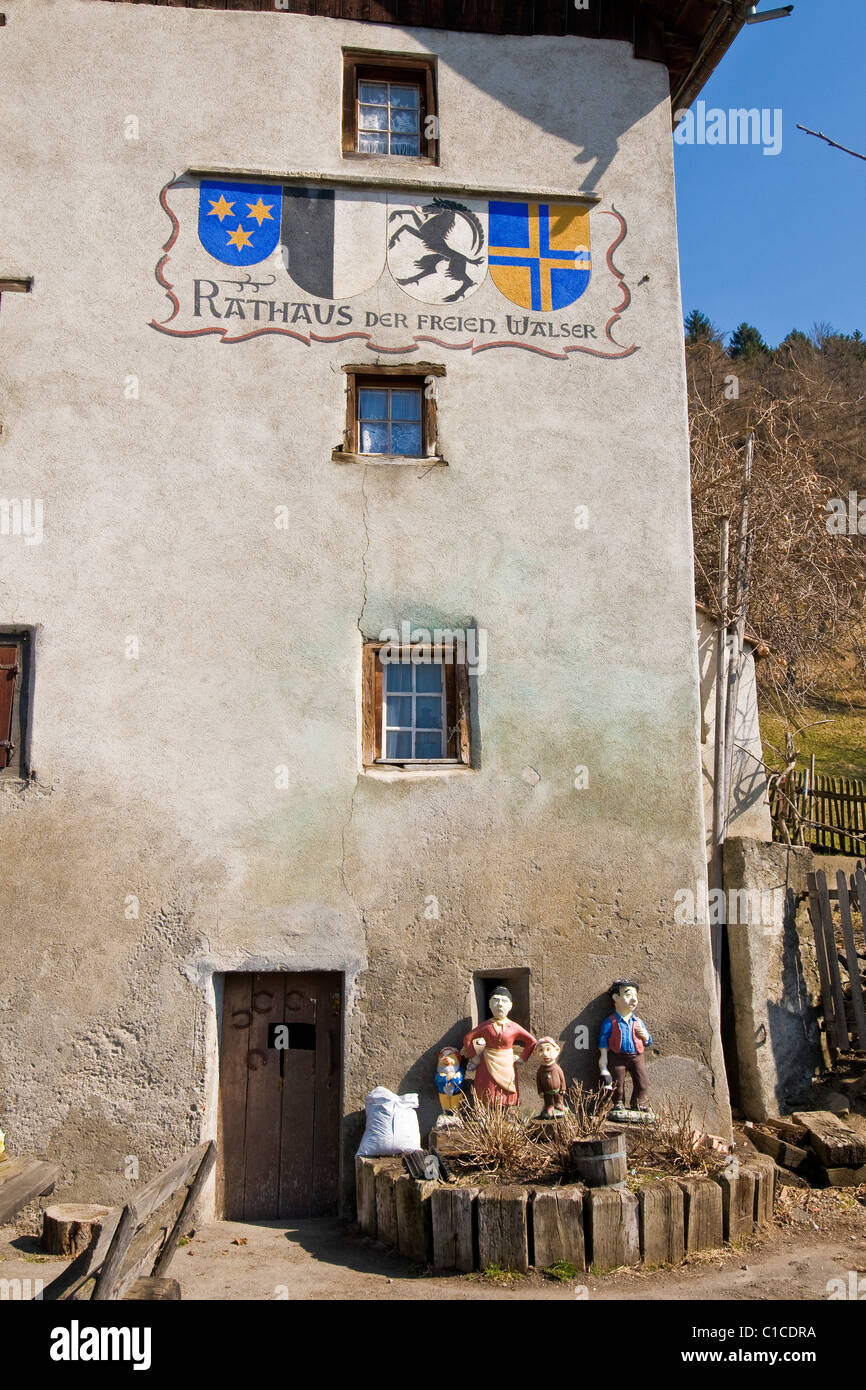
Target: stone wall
point(774, 980)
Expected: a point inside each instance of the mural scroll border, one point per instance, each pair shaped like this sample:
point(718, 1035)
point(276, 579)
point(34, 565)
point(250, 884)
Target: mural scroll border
point(368, 339)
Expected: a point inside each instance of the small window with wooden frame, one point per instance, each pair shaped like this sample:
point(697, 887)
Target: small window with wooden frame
point(389, 107)
point(391, 415)
point(15, 674)
point(415, 706)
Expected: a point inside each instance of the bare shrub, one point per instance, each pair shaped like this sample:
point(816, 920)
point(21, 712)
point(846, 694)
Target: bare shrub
point(586, 1119)
point(589, 1111)
point(498, 1142)
point(672, 1143)
point(495, 1140)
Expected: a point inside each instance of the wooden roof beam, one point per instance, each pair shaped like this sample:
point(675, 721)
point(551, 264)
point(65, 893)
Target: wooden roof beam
point(729, 19)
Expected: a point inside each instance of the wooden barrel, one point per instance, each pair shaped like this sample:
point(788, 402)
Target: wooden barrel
point(600, 1162)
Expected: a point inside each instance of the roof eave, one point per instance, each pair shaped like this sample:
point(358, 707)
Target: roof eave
point(715, 44)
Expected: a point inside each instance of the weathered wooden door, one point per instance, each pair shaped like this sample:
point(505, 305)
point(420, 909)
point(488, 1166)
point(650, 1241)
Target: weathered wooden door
point(280, 1075)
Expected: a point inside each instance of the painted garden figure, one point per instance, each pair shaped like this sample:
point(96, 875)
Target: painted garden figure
point(493, 1044)
point(621, 1043)
point(449, 1083)
point(550, 1078)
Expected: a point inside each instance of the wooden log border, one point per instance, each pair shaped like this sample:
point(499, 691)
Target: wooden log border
point(421, 1224)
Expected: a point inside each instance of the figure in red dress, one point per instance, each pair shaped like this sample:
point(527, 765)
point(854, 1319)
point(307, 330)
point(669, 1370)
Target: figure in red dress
point(493, 1043)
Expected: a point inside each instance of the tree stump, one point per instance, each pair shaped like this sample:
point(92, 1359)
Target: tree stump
point(662, 1238)
point(386, 1206)
point(738, 1201)
point(366, 1170)
point(765, 1191)
point(613, 1228)
point(454, 1218)
point(502, 1228)
point(414, 1219)
point(703, 1213)
point(557, 1225)
point(68, 1227)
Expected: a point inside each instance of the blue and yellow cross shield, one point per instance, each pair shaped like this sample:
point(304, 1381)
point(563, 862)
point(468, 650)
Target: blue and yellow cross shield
point(239, 223)
point(539, 253)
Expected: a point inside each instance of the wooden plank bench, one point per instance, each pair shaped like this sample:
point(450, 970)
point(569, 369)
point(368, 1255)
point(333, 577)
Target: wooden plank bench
point(131, 1252)
point(22, 1179)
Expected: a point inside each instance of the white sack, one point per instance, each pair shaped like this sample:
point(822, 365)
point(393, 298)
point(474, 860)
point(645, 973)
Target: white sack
point(392, 1124)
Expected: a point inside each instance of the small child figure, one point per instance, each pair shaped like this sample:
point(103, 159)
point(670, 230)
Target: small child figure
point(449, 1081)
point(550, 1078)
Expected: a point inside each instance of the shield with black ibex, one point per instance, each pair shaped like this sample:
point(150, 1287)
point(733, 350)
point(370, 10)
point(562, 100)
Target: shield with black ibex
point(437, 248)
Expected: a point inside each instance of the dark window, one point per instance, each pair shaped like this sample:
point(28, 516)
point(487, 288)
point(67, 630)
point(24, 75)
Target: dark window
point(294, 1037)
point(15, 653)
point(516, 979)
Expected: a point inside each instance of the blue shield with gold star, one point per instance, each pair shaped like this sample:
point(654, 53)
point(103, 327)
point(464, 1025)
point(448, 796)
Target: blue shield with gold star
point(239, 223)
point(539, 253)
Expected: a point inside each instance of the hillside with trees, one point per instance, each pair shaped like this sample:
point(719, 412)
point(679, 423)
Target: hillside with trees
point(805, 403)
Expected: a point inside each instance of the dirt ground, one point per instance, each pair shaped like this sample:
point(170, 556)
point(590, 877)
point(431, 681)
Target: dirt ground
point(818, 1236)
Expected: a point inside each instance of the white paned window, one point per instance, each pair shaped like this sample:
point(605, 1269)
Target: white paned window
point(389, 421)
point(413, 712)
point(389, 118)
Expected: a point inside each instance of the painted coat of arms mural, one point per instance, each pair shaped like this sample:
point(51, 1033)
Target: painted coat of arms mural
point(324, 264)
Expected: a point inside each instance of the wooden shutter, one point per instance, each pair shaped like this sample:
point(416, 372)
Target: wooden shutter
point(429, 108)
point(352, 436)
point(449, 671)
point(463, 718)
point(350, 70)
point(429, 446)
point(9, 677)
point(371, 704)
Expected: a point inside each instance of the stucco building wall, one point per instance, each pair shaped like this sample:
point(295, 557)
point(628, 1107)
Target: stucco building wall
point(750, 801)
point(155, 776)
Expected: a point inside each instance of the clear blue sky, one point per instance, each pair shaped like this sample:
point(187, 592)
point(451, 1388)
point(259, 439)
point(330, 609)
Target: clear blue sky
point(780, 241)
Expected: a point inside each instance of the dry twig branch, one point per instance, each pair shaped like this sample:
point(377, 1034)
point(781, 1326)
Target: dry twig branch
point(819, 135)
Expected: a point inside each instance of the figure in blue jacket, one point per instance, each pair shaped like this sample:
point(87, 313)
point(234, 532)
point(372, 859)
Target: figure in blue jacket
point(621, 1043)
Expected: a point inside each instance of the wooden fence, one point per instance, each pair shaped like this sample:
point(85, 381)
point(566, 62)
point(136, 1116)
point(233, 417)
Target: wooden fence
point(836, 945)
point(825, 813)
